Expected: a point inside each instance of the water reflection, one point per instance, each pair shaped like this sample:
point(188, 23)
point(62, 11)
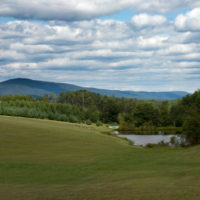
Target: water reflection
point(146, 139)
point(143, 140)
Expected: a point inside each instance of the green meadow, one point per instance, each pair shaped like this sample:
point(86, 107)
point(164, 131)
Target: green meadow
point(49, 160)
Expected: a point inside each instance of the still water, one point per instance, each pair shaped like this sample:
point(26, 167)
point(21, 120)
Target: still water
point(146, 139)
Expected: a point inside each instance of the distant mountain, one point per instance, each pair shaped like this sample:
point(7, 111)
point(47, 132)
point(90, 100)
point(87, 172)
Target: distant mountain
point(39, 88)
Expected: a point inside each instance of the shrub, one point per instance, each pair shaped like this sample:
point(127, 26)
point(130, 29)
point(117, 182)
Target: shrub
point(88, 122)
point(149, 145)
point(99, 123)
point(73, 119)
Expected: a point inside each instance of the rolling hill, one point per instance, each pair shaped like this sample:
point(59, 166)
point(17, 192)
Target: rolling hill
point(39, 88)
point(49, 160)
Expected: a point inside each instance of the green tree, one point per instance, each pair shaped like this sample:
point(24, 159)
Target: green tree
point(191, 127)
point(164, 114)
point(145, 113)
point(92, 114)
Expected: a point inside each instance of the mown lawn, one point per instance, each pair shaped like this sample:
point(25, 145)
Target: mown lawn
point(49, 160)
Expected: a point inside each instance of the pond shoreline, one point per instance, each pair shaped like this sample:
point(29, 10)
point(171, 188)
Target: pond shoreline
point(151, 131)
point(161, 139)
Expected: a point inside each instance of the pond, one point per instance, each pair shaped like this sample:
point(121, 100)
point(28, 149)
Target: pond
point(142, 140)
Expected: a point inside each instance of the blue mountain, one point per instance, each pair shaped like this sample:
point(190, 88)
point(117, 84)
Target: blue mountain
point(39, 88)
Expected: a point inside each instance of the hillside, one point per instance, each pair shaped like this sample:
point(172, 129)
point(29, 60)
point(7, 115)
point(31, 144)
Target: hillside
point(39, 88)
point(42, 159)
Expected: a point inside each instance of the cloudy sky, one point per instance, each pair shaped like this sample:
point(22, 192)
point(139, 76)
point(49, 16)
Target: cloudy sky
point(151, 45)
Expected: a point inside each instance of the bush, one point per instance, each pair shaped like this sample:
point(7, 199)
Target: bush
point(88, 122)
point(163, 144)
point(149, 145)
point(73, 119)
point(62, 118)
point(160, 144)
point(99, 123)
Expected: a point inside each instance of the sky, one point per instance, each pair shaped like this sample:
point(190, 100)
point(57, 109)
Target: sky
point(139, 45)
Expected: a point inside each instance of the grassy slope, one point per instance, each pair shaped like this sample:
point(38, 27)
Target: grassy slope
point(41, 159)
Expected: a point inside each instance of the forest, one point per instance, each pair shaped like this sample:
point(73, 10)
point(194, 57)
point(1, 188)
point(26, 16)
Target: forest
point(131, 114)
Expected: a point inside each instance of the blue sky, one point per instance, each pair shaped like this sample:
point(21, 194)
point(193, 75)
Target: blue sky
point(123, 15)
point(125, 45)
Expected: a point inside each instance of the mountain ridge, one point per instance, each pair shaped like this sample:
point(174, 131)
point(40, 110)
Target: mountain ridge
point(39, 88)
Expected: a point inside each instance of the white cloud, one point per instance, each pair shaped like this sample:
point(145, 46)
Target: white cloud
point(61, 9)
point(175, 49)
point(188, 22)
point(144, 20)
point(71, 10)
point(99, 53)
point(152, 42)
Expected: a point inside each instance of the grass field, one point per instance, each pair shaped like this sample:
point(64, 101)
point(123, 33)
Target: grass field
point(49, 160)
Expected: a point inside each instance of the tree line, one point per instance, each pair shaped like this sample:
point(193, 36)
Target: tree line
point(131, 114)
